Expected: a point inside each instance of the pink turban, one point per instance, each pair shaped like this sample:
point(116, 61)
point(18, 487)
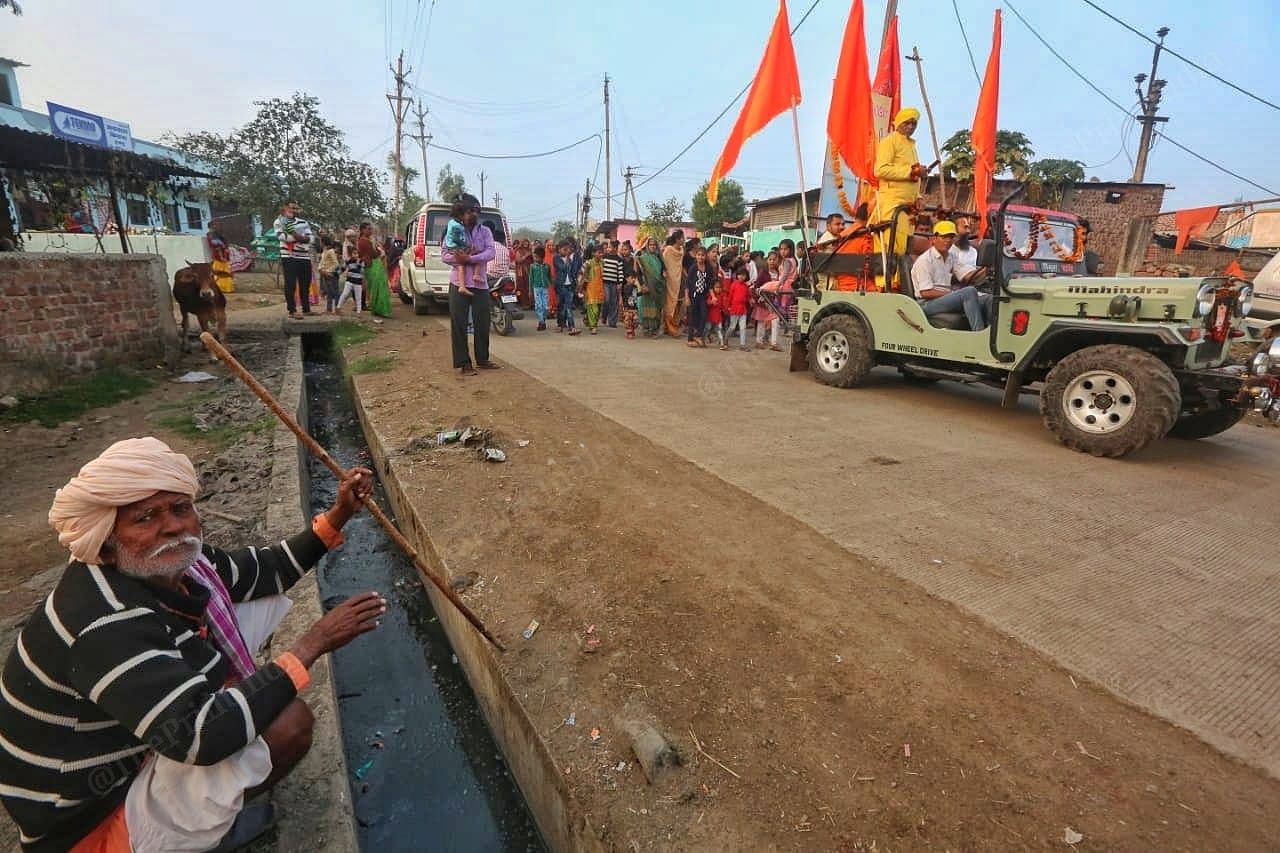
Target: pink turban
point(84, 510)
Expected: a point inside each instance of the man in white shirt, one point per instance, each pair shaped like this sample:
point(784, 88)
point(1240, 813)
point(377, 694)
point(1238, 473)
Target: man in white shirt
point(963, 253)
point(931, 280)
point(835, 227)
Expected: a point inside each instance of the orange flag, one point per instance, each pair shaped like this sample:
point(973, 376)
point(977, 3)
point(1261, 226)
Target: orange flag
point(984, 130)
point(849, 122)
point(775, 90)
point(1192, 223)
point(886, 90)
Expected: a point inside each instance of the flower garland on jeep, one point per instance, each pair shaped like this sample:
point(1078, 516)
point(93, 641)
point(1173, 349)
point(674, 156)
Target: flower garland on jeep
point(1060, 251)
point(1033, 240)
point(836, 171)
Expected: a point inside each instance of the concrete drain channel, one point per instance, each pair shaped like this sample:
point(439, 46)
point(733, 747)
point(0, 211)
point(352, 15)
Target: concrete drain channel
point(426, 771)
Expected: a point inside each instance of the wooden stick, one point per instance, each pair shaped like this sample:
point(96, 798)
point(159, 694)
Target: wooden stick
point(698, 744)
point(933, 131)
point(320, 453)
point(225, 516)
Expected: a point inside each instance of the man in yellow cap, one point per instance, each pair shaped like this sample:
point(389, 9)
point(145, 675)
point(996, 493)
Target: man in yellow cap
point(931, 280)
point(133, 714)
point(899, 172)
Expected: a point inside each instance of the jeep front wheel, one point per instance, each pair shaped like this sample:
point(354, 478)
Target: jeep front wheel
point(1110, 400)
point(840, 351)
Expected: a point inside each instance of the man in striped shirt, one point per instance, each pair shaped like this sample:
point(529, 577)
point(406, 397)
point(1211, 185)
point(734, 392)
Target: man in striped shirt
point(133, 716)
point(294, 234)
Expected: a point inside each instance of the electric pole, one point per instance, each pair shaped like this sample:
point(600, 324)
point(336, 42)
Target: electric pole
point(608, 156)
point(399, 106)
point(423, 138)
point(629, 192)
point(1150, 103)
point(497, 200)
point(482, 177)
point(586, 206)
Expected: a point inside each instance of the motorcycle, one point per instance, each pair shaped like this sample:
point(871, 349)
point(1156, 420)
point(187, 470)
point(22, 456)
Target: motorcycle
point(503, 310)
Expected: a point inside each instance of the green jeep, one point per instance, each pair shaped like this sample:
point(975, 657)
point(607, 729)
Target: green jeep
point(1117, 362)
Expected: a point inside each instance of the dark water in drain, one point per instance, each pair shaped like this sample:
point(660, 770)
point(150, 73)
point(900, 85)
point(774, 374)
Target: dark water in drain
point(438, 781)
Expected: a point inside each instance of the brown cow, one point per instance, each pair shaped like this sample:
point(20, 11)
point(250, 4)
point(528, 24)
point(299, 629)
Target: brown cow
point(196, 293)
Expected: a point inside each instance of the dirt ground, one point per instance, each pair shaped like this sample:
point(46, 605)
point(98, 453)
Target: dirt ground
point(837, 707)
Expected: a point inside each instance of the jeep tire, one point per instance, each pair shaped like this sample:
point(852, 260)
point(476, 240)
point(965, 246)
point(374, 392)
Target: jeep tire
point(840, 351)
point(1205, 424)
point(421, 304)
point(1110, 400)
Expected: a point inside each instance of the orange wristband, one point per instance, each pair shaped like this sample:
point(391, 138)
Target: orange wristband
point(329, 535)
point(295, 670)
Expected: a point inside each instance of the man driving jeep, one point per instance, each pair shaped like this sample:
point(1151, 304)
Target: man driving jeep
point(931, 280)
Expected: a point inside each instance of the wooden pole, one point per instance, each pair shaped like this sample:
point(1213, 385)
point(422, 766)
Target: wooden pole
point(933, 128)
point(804, 205)
point(115, 211)
point(320, 453)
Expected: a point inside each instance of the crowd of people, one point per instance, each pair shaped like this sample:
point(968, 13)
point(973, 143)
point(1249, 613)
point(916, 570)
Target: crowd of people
point(316, 265)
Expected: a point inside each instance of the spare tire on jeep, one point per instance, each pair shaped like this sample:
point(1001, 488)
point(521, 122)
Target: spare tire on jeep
point(1110, 400)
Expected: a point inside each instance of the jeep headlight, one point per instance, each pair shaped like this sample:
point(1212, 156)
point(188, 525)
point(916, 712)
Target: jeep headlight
point(1244, 301)
point(1263, 400)
point(1204, 300)
point(1260, 364)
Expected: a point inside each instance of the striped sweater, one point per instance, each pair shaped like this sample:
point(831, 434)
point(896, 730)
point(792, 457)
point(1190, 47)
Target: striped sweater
point(108, 668)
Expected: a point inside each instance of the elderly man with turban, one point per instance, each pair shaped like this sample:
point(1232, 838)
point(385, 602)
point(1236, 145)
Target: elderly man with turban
point(133, 716)
point(899, 172)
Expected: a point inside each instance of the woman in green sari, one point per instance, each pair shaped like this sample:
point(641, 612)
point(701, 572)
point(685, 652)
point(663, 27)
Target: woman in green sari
point(377, 287)
point(653, 288)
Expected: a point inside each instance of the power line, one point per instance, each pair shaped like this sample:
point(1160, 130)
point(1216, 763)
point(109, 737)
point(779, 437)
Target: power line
point(517, 156)
point(973, 63)
point(1122, 109)
point(1193, 64)
point(723, 112)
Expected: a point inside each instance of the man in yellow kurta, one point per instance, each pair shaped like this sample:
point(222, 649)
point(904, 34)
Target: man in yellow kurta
point(899, 172)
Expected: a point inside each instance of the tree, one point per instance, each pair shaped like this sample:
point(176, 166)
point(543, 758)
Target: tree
point(450, 184)
point(1051, 176)
point(661, 218)
point(731, 205)
point(1013, 154)
point(533, 235)
point(11, 5)
point(288, 151)
point(562, 229)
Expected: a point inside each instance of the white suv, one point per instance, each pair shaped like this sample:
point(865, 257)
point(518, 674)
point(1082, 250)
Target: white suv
point(424, 278)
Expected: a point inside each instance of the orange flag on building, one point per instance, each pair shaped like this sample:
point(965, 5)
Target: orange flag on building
point(984, 130)
point(1192, 223)
point(886, 89)
point(849, 122)
point(775, 89)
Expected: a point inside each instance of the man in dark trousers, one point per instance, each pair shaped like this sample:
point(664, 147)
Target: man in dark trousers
point(294, 234)
point(469, 289)
point(612, 269)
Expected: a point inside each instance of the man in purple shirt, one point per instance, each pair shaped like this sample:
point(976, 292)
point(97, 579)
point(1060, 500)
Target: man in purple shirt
point(469, 290)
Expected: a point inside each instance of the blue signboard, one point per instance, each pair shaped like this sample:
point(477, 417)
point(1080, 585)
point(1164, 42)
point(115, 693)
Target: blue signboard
point(77, 125)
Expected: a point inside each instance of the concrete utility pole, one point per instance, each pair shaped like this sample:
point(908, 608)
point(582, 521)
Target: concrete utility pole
point(497, 200)
point(423, 139)
point(586, 206)
point(608, 156)
point(399, 106)
point(482, 178)
point(1150, 103)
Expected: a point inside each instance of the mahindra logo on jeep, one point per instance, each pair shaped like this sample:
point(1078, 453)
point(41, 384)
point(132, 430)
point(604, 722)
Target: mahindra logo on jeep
point(1107, 290)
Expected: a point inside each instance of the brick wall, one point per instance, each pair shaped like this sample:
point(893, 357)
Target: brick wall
point(65, 314)
point(1110, 222)
point(1199, 263)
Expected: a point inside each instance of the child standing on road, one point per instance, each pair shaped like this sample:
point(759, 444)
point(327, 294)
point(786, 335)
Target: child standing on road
point(630, 303)
point(767, 283)
point(699, 277)
point(715, 313)
point(539, 282)
point(739, 299)
point(329, 276)
point(355, 284)
point(593, 288)
point(566, 282)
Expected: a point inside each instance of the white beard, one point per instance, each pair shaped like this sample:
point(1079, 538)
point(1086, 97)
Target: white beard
point(168, 560)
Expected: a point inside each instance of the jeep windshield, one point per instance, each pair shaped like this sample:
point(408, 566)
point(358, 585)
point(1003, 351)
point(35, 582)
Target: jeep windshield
point(438, 219)
point(1039, 239)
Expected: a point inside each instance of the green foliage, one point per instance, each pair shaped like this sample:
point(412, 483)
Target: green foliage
point(372, 364)
point(1013, 154)
point(72, 399)
point(11, 5)
point(731, 205)
point(536, 235)
point(449, 184)
point(288, 151)
point(662, 216)
point(348, 333)
point(562, 229)
point(1050, 177)
point(220, 437)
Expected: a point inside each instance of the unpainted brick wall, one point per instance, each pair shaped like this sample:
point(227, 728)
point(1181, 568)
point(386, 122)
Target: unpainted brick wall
point(78, 313)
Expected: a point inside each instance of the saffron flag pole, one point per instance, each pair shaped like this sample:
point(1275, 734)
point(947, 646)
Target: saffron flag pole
point(775, 89)
point(984, 130)
point(850, 127)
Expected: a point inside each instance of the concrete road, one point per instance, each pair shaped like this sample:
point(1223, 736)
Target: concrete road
point(1154, 575)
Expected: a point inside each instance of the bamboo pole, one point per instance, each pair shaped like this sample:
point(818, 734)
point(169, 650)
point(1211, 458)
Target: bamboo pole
point(933, 128)
point(243, 374)
point(804, 204)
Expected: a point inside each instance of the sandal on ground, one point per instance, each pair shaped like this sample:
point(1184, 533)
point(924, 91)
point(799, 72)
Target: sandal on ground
point(693, 344)
point(467, 371)
point(489, 365)
point(775, 348)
